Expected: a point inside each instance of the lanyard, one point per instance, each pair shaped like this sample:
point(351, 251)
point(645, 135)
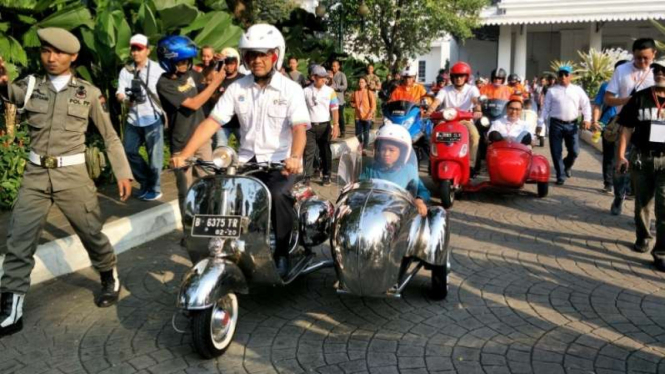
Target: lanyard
point(659, 107)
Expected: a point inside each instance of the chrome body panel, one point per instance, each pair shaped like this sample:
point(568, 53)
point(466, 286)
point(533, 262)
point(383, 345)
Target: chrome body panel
point(429, 237)
point(315, 220)
point(208, 281)
point(371, 235)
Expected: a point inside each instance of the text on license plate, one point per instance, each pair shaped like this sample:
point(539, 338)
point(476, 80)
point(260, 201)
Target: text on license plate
point(213, 225)
point(448, 137)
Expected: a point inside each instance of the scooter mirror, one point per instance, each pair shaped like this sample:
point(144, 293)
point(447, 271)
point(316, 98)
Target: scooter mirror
point(484, 122)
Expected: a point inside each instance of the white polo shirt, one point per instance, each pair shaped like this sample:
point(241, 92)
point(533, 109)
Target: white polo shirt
point(509, 129)
point(626, 78)
point(320, 101)
point(461, 100)
point(266, 115)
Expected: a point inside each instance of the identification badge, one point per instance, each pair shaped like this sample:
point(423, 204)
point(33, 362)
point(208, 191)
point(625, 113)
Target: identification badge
point(657, 132)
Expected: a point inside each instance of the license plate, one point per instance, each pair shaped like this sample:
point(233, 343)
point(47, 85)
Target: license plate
point(216, 226)
point(448, 137)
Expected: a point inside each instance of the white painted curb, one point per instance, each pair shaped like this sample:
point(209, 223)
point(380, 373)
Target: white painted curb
point(586, 136)
point(67, 255)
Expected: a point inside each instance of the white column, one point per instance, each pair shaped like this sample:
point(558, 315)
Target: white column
point(596, 36)
point(519, 64)
point(505, 41)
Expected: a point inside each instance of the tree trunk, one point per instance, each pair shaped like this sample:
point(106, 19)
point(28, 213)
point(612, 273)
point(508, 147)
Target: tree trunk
point(10, 120)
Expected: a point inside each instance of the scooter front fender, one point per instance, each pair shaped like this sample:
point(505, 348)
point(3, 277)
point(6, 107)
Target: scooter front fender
point(449, 170)
point(208, 281)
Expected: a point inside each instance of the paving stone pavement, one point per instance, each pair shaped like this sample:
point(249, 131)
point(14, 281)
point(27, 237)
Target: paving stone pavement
point(538, 286)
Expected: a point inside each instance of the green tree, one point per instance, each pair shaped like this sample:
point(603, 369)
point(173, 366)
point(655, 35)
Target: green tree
point(396, 30)
point(250, 12)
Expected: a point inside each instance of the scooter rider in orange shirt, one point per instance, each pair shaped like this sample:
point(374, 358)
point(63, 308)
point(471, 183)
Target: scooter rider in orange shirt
point(497, 89)
point(409, 90)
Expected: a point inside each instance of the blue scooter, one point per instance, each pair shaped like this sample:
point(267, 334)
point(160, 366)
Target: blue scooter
point(407, 114)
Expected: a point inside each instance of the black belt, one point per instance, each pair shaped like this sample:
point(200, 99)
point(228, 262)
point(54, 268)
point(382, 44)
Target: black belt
point(651, 153)
point(564, 122)
point(320, 123)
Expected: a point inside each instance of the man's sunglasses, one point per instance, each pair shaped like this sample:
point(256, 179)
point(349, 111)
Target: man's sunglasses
point(563, 74)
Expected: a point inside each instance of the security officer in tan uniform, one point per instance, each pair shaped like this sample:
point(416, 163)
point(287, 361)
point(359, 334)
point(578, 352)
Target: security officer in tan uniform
point(58, 110)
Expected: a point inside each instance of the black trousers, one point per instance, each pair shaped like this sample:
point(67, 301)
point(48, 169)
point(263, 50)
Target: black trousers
point(318, 137)
point(342, 121)
point(608, 162)
point(282, 214)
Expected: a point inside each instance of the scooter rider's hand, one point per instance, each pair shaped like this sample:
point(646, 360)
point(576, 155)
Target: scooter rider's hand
point(292, 165)
point(178, 161)
point(622, 165)
point(477, 115)
point(422, 208)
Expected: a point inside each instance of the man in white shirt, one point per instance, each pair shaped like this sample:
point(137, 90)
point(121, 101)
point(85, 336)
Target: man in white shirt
point(626, 81)
point(511, 126)
point(564, 103)
point(321, 102)
point(462, 96)
point(137, 89)
point(273, 120)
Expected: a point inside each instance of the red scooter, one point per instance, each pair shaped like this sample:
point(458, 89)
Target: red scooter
point(510, 164)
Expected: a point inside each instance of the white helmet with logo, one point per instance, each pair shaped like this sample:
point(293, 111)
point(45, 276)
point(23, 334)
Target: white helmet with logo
point(409, 71)
point(229, 52)
point(262, 38)
point(397, 135)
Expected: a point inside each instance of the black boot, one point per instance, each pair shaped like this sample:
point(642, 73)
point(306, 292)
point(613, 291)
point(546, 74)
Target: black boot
point(110, 289)
point(282, 266)
point(11, 313)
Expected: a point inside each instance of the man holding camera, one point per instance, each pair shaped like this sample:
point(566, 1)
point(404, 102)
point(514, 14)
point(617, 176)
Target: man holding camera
point(137, 89)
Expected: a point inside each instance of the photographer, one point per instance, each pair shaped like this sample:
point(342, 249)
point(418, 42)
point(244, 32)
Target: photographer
point(137, 89)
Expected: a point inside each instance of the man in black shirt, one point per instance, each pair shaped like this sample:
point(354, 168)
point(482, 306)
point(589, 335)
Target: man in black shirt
point(183, 101)
point(231, 61)
point(643, 121)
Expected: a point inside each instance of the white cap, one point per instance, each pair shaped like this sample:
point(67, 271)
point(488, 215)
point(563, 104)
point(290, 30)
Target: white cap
point(139, 40)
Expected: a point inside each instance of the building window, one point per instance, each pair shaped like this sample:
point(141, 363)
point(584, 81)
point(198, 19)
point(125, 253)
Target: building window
point(421, 71)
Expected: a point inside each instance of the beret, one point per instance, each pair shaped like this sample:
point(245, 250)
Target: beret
point(60, 39)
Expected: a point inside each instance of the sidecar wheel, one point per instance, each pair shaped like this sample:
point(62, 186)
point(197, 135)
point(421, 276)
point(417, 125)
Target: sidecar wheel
point(543, 188)
point(447, 194)
point(213, 328)
point(440, 275)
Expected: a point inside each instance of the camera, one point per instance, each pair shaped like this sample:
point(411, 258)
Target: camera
point(134, 93)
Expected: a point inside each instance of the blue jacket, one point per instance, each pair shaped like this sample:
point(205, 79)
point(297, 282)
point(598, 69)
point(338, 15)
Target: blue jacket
point(406, 177)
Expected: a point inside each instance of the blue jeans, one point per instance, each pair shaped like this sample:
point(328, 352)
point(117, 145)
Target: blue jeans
point(362, 131)
point(148, 175)
point(568, 134)
point(222, 136)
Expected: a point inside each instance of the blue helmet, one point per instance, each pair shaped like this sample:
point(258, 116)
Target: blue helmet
point(175, 48)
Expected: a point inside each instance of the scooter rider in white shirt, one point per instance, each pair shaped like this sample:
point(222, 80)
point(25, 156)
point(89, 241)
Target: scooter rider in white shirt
point(273, 120)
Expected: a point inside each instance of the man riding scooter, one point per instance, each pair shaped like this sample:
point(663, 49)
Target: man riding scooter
point(497, 89)
point(273, 120)
point(409, 90)
point(511, 126)
point(461, 96)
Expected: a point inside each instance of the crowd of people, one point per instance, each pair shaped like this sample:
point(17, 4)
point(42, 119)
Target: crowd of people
point(291, 119)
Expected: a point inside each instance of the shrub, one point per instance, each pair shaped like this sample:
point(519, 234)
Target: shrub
point(13, 158)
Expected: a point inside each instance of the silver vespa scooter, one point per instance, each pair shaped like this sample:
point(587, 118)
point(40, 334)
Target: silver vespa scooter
point(379, 242)
point(227, 216)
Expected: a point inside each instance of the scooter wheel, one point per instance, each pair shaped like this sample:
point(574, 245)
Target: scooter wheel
point(543, 188)
point(213, 328)
point(447, 194)
point(440, 276)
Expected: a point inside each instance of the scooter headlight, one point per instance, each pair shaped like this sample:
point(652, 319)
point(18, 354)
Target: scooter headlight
point(449, 114)
point(224, 156)
point(484, 122)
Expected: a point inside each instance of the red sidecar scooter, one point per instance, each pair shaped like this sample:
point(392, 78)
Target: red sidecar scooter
point(510, 164)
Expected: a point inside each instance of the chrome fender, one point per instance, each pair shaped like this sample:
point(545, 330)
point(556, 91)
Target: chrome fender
point(429, 237)
point(208, 281)
point(315, 221)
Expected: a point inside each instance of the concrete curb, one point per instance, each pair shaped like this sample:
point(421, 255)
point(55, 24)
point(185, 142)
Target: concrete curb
point(586, 136)
point(67, 255)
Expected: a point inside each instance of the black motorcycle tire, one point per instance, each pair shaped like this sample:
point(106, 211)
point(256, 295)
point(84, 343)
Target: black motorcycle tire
point(447, 194)
point(543, 188)
point(440, 275)
point(202, 330)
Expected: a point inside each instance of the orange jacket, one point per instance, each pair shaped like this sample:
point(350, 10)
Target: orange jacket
point(364, 103)
point(496, 92)
point(413, 94)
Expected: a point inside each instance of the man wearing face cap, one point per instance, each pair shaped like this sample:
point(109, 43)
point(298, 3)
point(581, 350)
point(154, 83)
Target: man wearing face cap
point(643, 125)
point(58, 110)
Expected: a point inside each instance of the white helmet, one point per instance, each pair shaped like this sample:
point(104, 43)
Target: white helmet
point(262, 37)
point(395, 134)
point(229, 52)
point(409, 71)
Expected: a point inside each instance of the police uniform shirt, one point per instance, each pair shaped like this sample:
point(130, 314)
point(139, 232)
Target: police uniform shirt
point(641, 113)
point(182, 120)
point(320, 101)
point(58, 121)
point(461, 100)
point(266, 115)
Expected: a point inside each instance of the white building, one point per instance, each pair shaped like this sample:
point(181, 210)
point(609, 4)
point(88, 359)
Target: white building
point(523, 36)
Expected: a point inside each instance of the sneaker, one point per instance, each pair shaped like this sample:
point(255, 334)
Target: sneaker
point(607, 189)
point(560, 182)
point(569, 173)
point(641, 246)
point(616, 207)
point(11, 313)
point(110, 289)
point(325, 181)
point(141, 192)
point(151, 196)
